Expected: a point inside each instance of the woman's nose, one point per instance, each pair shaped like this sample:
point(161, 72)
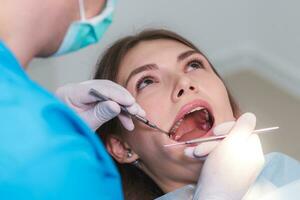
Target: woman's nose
point(183, 87)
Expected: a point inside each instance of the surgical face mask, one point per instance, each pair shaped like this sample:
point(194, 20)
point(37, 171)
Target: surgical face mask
point(86, 31)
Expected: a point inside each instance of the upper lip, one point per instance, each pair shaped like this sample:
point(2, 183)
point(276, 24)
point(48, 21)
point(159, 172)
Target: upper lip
point(190, 106)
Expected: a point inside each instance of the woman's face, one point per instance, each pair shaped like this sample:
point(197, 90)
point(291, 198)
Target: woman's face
point(179, 91)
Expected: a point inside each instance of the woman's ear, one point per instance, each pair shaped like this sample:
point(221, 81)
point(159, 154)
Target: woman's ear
point(120, 150)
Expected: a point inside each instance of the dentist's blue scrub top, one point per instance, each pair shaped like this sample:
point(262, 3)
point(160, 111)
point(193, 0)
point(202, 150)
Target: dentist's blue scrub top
point(46, 151)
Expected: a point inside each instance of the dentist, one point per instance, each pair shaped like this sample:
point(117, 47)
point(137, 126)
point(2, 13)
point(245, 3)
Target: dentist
point(46, 151)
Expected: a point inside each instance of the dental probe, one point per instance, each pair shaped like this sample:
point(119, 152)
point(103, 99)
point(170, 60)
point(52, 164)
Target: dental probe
point(212, 138)
point(101, 97)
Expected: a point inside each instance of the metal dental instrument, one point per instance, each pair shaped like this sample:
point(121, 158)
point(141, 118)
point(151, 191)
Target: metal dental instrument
point(212, 138)
point(101, 97)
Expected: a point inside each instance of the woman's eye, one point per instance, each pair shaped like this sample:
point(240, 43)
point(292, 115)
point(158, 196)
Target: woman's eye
point(144, 82)
point(194, 64)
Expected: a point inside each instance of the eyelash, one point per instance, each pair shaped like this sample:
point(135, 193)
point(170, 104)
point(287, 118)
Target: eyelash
point(198, 61)
point(144, 78)
point(141, 80)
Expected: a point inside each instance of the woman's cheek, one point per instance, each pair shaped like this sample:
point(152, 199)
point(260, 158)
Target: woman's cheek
point(226, 103)
point(153, 112)
point(153, 105)
point(220, 89)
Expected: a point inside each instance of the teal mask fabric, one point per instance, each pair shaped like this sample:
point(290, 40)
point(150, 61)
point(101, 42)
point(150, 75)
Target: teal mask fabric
point(86, 31)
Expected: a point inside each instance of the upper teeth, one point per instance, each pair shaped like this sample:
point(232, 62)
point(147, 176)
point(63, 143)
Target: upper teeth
point(177, 124)
point(195, 109)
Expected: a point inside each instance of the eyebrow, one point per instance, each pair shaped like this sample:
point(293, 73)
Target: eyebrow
point(152, 66)
point(147, 67)
point(186, 54)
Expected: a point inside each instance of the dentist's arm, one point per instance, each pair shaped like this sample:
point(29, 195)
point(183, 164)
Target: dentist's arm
point(233, 165)
point(77, 97)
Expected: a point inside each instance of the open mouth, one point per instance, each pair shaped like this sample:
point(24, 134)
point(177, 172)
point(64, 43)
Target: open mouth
point(194, 121)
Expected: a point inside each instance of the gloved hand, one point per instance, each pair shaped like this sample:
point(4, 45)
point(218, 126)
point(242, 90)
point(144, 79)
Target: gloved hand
point(96, 113)
point(203, 149)
point(233, 165)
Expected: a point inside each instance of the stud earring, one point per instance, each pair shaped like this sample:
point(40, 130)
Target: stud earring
point(129, 153)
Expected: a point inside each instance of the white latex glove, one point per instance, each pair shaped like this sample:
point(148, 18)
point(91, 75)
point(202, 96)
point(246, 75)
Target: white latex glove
point(96, 113)
point(203, 149)
point(233, 165)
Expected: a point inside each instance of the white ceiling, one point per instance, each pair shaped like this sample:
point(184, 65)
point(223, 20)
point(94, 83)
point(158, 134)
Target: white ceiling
point(261, 35)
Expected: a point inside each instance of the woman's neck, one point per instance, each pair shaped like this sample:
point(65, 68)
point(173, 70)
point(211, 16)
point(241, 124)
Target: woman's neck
point(166, 184)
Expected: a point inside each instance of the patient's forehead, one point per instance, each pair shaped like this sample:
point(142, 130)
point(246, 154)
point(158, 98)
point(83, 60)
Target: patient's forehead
point(160, 51)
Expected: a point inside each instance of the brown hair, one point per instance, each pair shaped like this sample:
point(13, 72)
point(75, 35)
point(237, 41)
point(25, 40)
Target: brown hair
point(136, 184)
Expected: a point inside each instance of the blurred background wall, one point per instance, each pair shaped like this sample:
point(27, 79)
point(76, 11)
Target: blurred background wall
point(253, 44)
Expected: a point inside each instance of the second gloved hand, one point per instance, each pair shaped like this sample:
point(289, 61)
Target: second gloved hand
point(96, 113)
point(233, 165)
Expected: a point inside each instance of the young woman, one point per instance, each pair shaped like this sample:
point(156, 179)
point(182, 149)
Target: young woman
point(181, 92)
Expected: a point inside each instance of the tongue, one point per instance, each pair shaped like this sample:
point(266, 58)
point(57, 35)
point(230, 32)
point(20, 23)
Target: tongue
point(193, 126)
point(196, 133)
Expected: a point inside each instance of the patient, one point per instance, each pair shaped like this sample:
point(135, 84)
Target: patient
point(180, 91)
